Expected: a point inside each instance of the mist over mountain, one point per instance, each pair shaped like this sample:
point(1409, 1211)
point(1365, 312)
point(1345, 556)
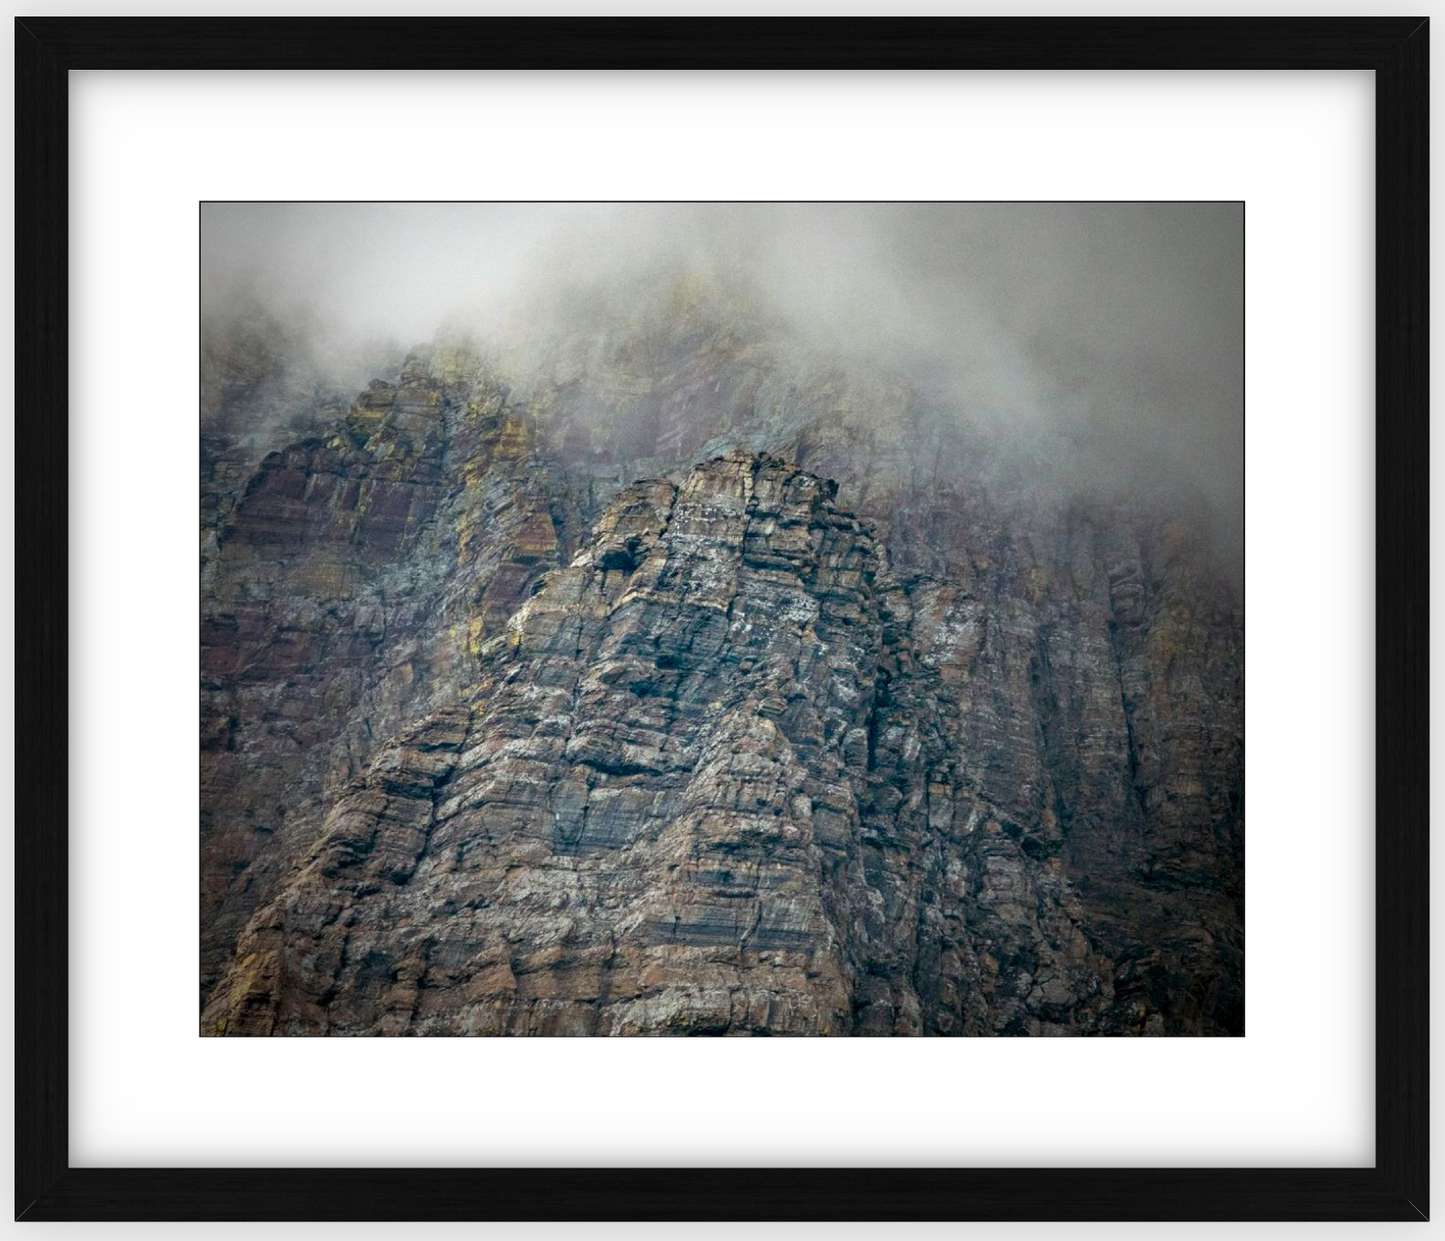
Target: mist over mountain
point(1107, 338)
point(722, 619)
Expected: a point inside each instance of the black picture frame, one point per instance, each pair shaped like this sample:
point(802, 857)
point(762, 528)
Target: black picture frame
point(47, 1188)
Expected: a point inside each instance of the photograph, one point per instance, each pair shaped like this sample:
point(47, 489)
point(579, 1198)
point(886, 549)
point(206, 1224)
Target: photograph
point(733, 618)
point(756, 545)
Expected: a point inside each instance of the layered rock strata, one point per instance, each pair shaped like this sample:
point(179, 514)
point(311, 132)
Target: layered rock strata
point(725, 769)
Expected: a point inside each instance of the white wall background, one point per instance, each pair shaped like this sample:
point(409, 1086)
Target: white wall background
point(620, 1231)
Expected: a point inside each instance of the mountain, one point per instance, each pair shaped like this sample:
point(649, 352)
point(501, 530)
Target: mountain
point(654, 670)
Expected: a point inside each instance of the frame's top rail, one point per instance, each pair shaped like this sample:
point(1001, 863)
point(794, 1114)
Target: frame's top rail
point(370, 43)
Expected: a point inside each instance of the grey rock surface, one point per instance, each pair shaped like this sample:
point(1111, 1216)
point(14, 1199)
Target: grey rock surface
point(690, 684)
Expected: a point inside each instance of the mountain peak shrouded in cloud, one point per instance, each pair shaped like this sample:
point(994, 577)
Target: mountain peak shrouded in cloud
point(721, 619)
point(1108, 336)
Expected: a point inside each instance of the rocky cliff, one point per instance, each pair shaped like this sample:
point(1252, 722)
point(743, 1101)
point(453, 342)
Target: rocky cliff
point(687, 682)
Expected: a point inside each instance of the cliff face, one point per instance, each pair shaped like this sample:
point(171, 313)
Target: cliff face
point(689, 685)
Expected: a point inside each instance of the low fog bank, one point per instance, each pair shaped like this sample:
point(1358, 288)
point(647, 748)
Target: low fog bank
point(1107, 335)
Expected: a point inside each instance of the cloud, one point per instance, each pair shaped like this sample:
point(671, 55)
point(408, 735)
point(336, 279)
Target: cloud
point(1110, 331)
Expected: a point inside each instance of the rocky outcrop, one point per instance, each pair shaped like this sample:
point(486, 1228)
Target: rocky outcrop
point(851, 717)
point(726, 773)
point(349, 590)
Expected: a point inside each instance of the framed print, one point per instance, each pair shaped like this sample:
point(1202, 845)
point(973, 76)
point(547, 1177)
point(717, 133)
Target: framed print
point(730, 600)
